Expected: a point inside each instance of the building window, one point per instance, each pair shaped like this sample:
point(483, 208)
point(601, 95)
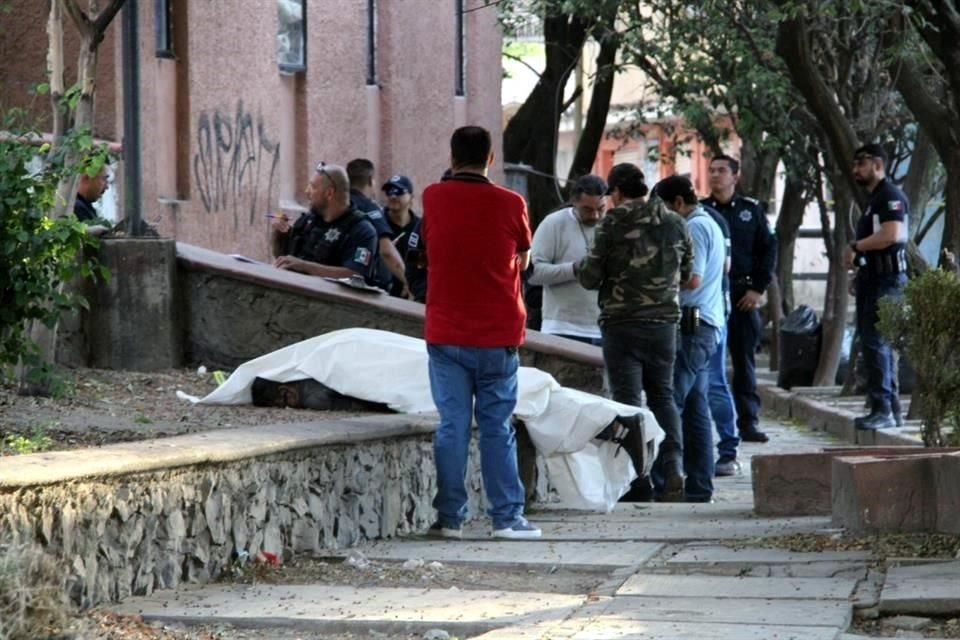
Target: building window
point(163, 27)
point(292, 35)
point(460, 55)
point(371, 42)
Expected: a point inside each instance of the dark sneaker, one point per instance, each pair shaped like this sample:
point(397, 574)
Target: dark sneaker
point(752, 434)
point(640, 491)
point(726, 466)
point(519, 530)
point(438, 530)
point(875, 420)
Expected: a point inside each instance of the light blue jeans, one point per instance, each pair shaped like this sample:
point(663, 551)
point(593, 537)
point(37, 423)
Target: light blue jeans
point(480, 382)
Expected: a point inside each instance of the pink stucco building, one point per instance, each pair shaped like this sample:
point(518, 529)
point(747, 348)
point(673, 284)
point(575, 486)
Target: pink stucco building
point(229, 133)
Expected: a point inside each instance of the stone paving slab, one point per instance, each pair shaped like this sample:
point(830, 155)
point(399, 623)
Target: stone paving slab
point(339, 608)
point(615, 628)
point(664, 528)
point(811, 613)
point(646, 511)
point(701, 586)
point(571, 555)
point(927, 589)
point(697, 555)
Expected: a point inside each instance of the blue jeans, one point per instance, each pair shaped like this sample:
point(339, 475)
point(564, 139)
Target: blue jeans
point(877, 354)
point(721, 402)
point(691, 383)
point(481, 382)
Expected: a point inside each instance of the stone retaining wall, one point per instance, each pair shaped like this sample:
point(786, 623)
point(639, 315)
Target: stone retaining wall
point(136, 532)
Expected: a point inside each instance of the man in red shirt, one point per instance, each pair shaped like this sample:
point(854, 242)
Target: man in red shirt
point(477, 238)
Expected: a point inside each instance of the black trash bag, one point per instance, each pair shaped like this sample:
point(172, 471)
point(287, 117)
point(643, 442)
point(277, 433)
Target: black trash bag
point(800, 334)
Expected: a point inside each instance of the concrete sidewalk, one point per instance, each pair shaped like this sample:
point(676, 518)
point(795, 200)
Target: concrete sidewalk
point(670, 571)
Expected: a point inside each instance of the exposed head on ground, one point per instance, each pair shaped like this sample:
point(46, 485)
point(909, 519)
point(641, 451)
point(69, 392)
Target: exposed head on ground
point(471, 148)
point(625, 182)
point(677, 194)
point(588, 198)
point(869, 164)
point(361, 172)
point(92, 187)
point(329, 190)
point(724, 175)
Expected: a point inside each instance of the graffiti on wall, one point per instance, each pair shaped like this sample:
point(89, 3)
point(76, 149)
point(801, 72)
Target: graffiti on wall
point(236, 163)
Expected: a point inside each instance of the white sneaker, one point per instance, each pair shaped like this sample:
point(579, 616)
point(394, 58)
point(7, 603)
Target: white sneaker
point(520, 530)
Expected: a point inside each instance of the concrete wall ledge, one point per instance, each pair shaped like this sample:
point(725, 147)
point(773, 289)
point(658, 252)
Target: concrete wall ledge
point(225, 445)
point(200, 259)
point(798, 404)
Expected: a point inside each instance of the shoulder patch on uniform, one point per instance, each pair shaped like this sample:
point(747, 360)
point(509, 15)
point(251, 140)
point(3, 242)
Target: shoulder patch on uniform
point(895, 205)
point(414, 240)
point(362, 256)
point(374, 214)
point(746, 215)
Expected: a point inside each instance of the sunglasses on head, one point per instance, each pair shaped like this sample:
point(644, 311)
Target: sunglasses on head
point(322, 168)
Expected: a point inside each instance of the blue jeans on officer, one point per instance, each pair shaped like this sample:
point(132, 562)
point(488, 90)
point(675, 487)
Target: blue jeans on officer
point(877, 354)
point(484, 379)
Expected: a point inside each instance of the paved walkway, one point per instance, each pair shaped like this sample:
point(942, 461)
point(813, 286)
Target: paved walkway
point(670, 569)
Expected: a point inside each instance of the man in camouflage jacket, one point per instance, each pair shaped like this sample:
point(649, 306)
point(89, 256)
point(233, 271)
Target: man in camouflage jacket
point(640, 255)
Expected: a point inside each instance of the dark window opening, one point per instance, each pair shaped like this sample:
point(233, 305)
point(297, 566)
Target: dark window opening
point(292, 35)
point(371, 42)
point(163, 28)
point(460, 57)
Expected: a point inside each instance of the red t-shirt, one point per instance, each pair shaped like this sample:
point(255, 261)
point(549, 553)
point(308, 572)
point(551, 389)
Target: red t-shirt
point(473, 231)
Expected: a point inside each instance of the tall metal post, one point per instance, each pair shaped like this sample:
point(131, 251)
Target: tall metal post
point(132, 172)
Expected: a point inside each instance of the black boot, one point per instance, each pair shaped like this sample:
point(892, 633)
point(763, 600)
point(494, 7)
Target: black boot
point(876, 420)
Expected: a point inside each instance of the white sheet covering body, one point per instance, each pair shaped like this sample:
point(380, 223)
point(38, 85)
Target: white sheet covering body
point(389, 368)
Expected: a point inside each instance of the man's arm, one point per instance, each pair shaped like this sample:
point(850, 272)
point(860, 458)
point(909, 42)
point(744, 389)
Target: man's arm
point(545, 270)
point(299, 265)
point(764, 254)
point(279, 231)
point(700, 241)
point(591, 270)
point(524, 259)
point(391, 258)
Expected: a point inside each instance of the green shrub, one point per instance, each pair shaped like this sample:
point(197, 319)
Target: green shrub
point(38, 253)
point(926, 328)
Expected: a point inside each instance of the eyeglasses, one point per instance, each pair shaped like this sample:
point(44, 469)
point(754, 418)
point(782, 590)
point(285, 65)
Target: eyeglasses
point(394, 191)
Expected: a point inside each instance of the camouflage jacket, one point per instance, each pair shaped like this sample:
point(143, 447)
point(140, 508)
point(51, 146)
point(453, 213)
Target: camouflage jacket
point(640, 254)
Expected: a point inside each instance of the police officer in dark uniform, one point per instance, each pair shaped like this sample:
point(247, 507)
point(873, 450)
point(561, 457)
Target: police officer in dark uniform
point(753, 259)
point(879, 253)
point(333, 240)
point(389, 269)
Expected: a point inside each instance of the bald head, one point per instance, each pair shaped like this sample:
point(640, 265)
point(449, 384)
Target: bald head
point(329, 190)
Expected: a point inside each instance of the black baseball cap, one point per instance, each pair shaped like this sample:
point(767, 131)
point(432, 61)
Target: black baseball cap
point(398, 183)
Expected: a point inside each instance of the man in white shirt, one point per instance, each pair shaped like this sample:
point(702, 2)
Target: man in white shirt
point(562, 239)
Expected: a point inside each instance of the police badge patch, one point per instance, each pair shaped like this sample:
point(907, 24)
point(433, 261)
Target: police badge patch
point(332, 235)
point(362, 256)
point(745, 215)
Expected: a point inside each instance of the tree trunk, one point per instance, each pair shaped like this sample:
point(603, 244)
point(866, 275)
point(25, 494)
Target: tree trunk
point(834, 318)
point(531, 135)
point(918, 183)
point(775, 311)
point(951, 227)
point(789, 219)
point(600, 96)
point(758, 171)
